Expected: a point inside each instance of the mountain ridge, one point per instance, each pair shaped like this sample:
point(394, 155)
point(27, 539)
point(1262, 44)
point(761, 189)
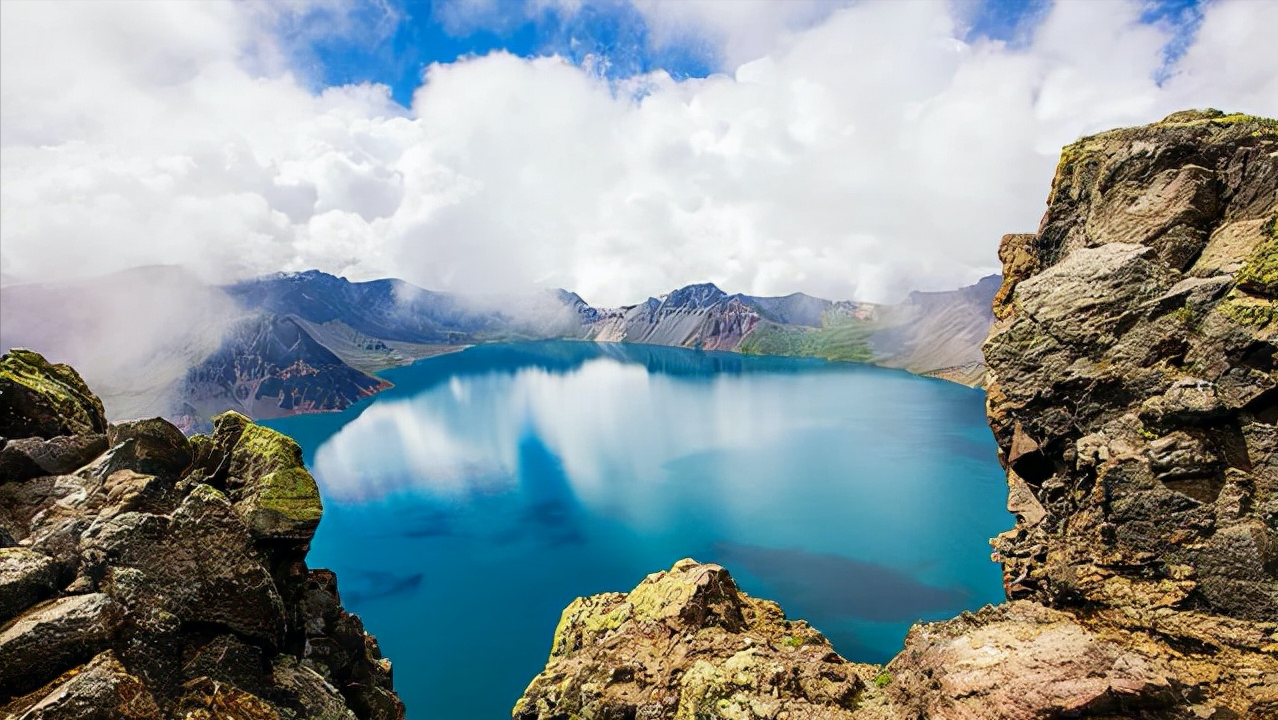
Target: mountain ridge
point(311, 341)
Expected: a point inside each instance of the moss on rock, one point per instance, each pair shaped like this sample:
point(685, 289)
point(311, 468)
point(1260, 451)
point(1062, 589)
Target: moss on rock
point(43, 399)
point(686, 644)
point(272, 490)
point(1260, 273)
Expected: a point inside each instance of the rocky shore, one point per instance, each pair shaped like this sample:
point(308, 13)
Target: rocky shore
point(1133, 394)
point(145, 575)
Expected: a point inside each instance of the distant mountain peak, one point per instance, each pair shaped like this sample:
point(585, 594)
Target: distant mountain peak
point(698, 296)
point(305, 276)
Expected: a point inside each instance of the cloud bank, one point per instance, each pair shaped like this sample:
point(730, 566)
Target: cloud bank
point(853, 151)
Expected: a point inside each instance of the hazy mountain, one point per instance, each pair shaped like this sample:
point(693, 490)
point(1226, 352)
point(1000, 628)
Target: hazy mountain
point(703, 316)
point(939, 333)
point(310, 341)
point(386, 309)
point(934, 333)
point(133, 334)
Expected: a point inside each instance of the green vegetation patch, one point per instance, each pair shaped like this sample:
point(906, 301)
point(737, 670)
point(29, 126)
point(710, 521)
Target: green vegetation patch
point(1260, 273)
point(1250, 311)
point(883, 679)
point(1263, 125)
point(586, 618)
point(843, 338)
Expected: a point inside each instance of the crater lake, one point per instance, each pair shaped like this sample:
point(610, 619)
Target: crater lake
point(469, 504)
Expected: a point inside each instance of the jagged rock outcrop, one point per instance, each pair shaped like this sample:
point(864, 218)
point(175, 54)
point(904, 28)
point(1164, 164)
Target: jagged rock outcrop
point(160, 577)
point(688, 644)
point(1133, 390)
point(1133, 393)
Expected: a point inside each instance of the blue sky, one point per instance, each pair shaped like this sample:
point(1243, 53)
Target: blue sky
point(614, 32)
point(396, 40)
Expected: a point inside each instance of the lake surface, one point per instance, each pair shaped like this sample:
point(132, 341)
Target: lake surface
point(469, 504)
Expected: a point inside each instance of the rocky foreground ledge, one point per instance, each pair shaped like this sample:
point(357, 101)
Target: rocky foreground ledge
point(145, 576)
point(1133, 394)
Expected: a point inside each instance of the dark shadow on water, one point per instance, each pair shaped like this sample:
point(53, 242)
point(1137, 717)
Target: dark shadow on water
point(548, 509)
point(421, 521)
point(427, 531)
point(361, 586)
point(821, 584)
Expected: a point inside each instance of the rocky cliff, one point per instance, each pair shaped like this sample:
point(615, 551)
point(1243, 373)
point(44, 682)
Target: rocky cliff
point(1133, 394)
point(145, 575)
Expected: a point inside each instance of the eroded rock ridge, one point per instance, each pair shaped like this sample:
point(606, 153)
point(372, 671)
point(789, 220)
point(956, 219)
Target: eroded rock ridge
point(145, 575)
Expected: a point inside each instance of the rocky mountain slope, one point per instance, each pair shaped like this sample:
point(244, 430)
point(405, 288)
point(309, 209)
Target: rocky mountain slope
point(938, 333)
point(1133, 394)
point(929, 333)
point(144, 575)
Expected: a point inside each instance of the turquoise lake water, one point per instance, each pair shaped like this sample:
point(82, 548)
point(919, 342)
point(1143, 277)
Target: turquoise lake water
point(469, 504)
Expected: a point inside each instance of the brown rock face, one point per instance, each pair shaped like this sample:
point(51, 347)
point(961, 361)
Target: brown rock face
point(144, 575)
point(1133, 390)
point(1133, 393)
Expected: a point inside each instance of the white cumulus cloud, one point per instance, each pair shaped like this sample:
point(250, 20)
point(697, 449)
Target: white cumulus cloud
point(855, 151)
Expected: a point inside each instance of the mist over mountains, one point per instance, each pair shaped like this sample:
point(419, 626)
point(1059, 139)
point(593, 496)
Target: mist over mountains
point(161, 342)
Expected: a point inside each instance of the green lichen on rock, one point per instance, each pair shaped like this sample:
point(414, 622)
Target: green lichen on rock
point(272, 490)
point(43, 399)
point(1260, 273)
point(1256, 312)
point(586, 618)
point(1212, 116)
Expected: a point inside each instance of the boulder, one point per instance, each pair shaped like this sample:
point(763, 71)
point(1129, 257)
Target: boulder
point(266, 480)
point(200, 565)
point(1022, 661)
point(687, 644)
point(157, 446)
point(54, 636)
point(26, 577)
point(102, 689)
point(41, 399)
point(26, 458)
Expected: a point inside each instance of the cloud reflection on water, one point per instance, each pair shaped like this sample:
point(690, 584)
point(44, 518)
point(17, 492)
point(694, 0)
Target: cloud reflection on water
point(465, 436)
